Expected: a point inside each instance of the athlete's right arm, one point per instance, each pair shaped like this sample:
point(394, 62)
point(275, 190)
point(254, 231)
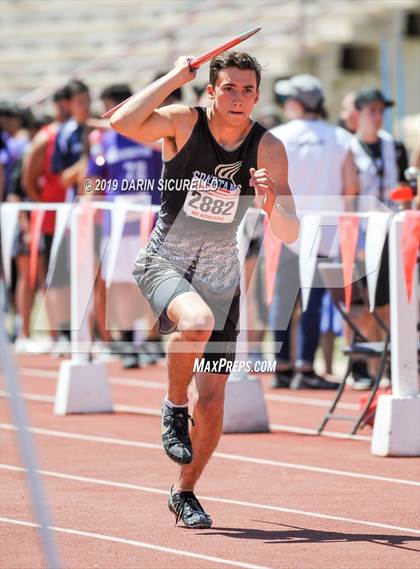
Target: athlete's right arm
point(33, 166)
point(140, 119)
point(350, 177)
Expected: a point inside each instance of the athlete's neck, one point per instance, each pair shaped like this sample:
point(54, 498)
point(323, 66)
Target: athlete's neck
point(368, 137)
point(228, 136)
point(309, 116)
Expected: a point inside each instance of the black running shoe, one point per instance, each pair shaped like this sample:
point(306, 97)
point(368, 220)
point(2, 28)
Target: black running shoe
point(282, 378)
point(311, 380)
point(360, 380)
point(187, 508)
point(175, 436)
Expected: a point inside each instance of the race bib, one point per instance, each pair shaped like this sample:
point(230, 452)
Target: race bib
point(211, 203)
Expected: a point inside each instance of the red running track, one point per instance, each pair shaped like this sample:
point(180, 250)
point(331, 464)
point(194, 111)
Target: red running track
point(279, 500)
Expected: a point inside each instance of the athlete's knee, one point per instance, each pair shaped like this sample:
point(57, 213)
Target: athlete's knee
point(197, 326)
point(211, 408)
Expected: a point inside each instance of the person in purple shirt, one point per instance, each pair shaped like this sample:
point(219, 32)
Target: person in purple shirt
point(121, 163)
point(14, 140)
point(70, 142)
point(120, 160)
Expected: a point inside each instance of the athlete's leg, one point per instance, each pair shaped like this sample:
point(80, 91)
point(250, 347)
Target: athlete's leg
point(25, 294)
point(208, 418)
point(194, 321)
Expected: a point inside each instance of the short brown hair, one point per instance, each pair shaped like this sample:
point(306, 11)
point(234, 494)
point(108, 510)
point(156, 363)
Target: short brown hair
point(238, 59)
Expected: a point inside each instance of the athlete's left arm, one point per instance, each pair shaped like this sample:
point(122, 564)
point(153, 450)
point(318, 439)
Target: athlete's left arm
point(271, 183)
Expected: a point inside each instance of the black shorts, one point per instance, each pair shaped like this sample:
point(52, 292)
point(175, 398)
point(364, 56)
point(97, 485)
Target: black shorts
point(20, 246)
point(254, 248)
point(160, 283)
point(382, 287)
point(61, 271)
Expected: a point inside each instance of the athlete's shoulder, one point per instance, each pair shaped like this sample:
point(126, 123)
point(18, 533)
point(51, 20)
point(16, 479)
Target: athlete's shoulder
point(42, 137)
point(179, 112)
point(182, 117)
point(271, 149)
point(68, 127)
point(270, 140)
point(65, 131)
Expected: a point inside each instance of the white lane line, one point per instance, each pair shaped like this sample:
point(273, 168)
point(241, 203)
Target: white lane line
point(226, 456)
point(156, 413)
point(314, 432)
point(116, 407)
point(150, 384)
point(127, 486)
point(309, 401)
point(141, 544)
point(48, 374)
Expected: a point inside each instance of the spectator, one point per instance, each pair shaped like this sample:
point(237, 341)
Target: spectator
point(24, 290)
point(374, 149)
point(119, 159)
point(349, 119)
point(376, 157)
point(320, 164)
point(41, 184)
point(15, 138)
point(68, 159)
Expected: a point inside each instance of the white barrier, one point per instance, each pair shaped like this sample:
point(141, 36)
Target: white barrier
point(82, 385)
point(245, 410)
point(397, 422)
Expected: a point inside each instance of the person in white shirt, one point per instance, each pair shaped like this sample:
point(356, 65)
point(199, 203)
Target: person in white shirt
point(373, 148)
point(321, 170)
point(380, 162)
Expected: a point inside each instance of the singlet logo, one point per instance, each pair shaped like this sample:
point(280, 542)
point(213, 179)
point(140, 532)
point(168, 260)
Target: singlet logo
point(228, 171)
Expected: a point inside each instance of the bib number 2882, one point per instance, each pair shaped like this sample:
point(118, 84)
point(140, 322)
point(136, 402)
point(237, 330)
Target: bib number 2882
point(206, 203)
point(217, 206)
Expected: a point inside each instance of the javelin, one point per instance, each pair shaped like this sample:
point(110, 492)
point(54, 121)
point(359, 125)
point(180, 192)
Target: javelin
point(197, 61)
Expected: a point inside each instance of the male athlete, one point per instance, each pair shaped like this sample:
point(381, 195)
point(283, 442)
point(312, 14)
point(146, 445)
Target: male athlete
point(189, 270)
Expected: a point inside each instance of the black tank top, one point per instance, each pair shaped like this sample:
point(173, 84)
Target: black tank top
point(205, 195)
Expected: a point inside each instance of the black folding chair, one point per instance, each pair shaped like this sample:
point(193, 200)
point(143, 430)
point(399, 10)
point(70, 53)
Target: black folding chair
point(359, 348)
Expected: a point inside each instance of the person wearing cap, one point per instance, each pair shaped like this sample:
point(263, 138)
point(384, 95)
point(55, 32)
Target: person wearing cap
point(321, 167)
point(381, 162)
point(349, 119)
point(68, 158)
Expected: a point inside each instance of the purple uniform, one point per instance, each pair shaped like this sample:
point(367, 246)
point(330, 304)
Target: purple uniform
point(128, 167)
point(13, 149)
